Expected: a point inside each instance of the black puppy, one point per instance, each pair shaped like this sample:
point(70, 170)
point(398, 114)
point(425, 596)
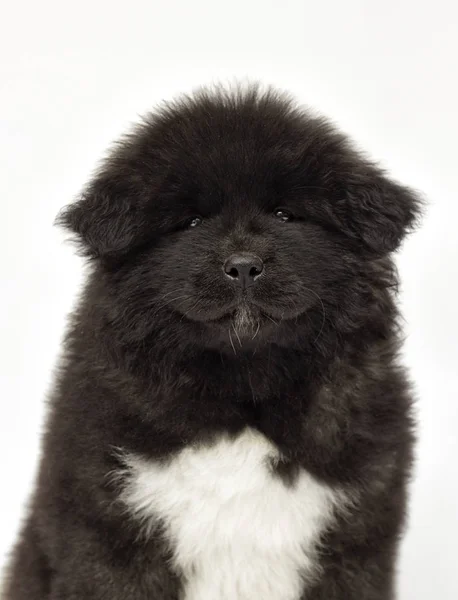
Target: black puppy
point(230, 420)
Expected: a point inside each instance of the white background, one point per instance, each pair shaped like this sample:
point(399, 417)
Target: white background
point(74, 75)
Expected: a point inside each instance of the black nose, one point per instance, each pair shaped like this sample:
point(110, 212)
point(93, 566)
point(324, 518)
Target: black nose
point(243, 269)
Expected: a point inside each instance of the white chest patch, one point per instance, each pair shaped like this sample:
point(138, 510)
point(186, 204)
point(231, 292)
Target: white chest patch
point(237, 532)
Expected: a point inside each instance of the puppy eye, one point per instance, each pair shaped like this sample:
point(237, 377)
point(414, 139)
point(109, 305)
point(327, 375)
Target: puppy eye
point(195, 222)
point(282, 214)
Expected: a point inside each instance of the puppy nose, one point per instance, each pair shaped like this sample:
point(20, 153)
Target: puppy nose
point(243, 269)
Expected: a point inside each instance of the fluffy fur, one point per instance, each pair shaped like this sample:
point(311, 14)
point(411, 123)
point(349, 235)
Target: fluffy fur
point(236, 531)
point(166, 356)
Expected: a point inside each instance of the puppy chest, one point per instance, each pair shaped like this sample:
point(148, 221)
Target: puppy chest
point(237, 531)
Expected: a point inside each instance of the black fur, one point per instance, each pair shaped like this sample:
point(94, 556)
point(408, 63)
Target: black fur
point(162, 351)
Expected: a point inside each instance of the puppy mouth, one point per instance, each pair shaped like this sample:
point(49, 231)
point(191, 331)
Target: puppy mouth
point(245, 314)
point(241, 313)
point(246, 319)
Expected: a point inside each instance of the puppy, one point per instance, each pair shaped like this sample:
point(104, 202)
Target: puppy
point(230, 420)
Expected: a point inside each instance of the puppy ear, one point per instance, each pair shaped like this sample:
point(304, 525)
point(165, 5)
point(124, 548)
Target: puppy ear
point(380, 212)
point(111, 217)
point(107, 219)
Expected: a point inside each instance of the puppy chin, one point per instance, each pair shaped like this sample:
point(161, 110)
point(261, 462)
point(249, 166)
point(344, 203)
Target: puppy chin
point(246, 321)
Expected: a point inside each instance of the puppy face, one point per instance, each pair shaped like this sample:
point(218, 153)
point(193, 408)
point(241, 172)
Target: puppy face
point(235, 216)
point(241, 261)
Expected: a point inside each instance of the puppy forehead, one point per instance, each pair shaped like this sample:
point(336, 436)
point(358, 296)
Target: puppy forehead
point(231, 203)
point(221, 183)
point(241, 133)
point(244, 157)
point(235, 181)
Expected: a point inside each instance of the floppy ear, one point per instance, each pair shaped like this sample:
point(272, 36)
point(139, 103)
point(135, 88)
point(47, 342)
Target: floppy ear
point(111, 216)
point(379, 211)
point(107, 219)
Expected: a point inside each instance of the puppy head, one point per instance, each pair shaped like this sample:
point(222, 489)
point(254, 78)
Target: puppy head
point(235, 213)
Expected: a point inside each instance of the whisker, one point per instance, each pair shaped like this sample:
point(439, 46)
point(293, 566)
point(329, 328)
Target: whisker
point(270, 318)
point(324, 313)
point(232, 343)
point(195, 305)
point(235, 331)
point(161, 306)
point(257, 330)
point(156, 300)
